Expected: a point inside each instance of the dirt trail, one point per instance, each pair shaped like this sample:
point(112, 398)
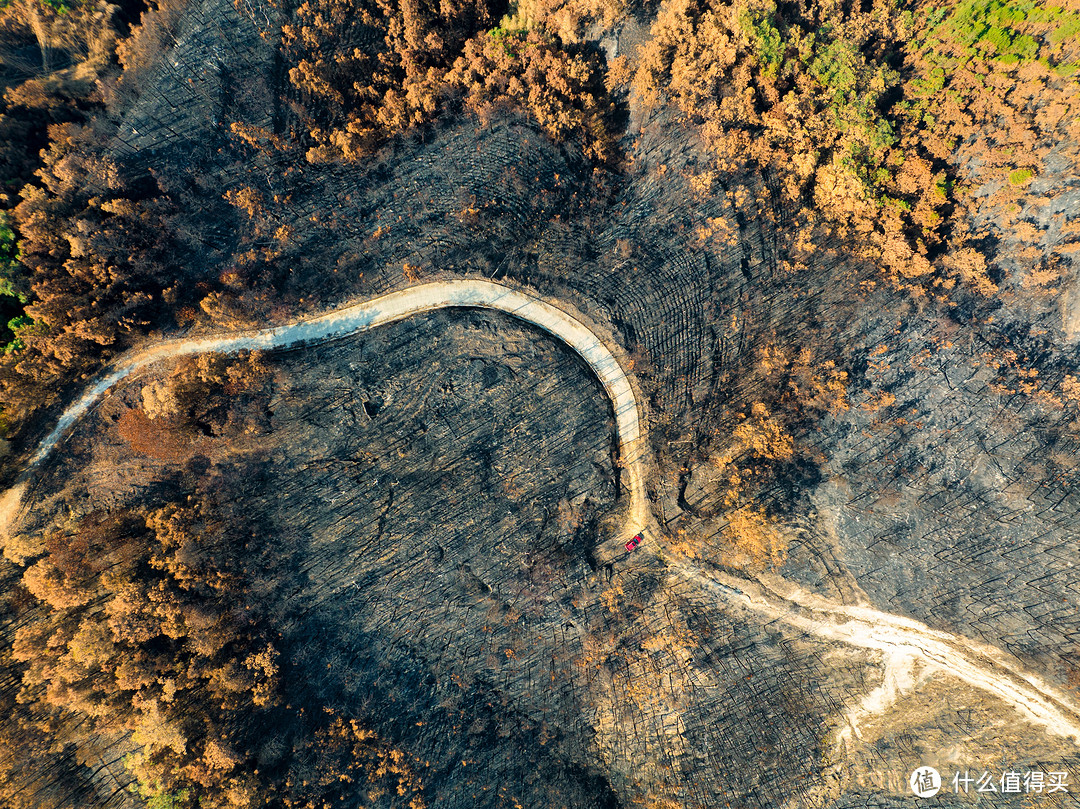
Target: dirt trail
point(903, 641)
point(574, 330)
point(978, 664)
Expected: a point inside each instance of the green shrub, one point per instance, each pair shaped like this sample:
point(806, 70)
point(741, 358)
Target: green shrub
point(999, 39)
point(843, 71)
point(13, 287)
point(1024, 48)
point(766, 39)
point(508, 39)
point(982, 26)
point(1068, 28)
point(15, 327)
point(1021, 176)
point(9, 256)
point(991, 25)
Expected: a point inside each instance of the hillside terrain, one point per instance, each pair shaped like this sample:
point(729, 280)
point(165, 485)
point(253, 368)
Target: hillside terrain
point(832, 249)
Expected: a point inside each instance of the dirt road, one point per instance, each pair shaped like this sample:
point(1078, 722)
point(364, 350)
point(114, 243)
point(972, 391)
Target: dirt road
point(573, 329)
point(902, 641)
point(977, 664)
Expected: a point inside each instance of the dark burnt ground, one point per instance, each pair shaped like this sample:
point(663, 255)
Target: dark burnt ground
point(953, 503)
point(441, 481)
point(428, 496)
point(979, 538)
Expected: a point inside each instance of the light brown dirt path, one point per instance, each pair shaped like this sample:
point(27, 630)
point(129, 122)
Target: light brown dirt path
point(902, 642)
point(574, 330)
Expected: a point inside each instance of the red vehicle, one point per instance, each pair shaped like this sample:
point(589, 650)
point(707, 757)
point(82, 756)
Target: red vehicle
point(633, 543)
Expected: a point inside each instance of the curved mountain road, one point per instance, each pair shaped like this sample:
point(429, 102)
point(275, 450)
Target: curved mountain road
point(979, 665)
point(574, 330)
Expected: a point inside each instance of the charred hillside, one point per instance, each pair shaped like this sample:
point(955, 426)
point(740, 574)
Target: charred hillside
point(835, 247)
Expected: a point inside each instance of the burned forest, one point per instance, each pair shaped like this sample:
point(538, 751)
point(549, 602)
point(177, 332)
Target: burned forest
point(477, 404)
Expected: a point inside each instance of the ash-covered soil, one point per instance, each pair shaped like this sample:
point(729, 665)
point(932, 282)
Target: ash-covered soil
point(944, 492)
point(432, 492)
point(439, 485)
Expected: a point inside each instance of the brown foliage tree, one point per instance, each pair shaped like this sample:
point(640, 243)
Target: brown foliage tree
point(145, 627)
point(367, 71)
point(140, 632)
point(364, 72)
point(811, 92)
point(563, 92)
point(98, 256)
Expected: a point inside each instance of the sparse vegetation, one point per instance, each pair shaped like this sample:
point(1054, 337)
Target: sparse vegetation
point(753, 542)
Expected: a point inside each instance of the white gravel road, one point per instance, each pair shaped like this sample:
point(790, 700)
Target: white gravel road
point(573, 330)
